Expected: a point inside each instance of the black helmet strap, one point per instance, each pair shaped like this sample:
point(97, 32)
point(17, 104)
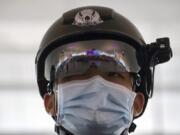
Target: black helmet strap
point(61, 130)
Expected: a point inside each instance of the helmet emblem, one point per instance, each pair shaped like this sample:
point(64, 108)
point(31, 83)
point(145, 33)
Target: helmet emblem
point(87, 17)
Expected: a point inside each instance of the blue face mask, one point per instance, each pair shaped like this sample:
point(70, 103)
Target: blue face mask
point(94, 107)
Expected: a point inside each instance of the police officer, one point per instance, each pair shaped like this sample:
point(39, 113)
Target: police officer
point(95, 72)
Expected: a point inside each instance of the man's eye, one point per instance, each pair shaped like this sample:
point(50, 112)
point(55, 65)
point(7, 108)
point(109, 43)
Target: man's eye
point(114, 74)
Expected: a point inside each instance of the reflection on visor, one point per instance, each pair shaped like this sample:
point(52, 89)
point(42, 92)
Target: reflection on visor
point(105, 55)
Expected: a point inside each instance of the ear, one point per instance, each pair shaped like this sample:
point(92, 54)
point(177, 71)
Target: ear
point(138, 104)
point(49, 104)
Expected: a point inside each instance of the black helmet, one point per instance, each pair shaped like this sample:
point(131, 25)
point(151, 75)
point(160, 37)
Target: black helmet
point(93, 22)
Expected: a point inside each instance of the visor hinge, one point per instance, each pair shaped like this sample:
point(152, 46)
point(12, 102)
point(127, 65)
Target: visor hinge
point(138, 80)
point(49, 88)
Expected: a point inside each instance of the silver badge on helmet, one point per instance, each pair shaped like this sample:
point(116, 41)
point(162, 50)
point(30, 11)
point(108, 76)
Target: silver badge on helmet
point(87, 17)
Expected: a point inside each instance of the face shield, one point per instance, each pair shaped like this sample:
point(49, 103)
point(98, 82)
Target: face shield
point(76, 58)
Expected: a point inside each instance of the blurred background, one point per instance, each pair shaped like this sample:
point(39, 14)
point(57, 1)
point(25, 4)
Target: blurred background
point(22, 26)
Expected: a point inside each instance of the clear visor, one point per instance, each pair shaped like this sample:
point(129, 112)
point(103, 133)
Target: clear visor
point(77, 57)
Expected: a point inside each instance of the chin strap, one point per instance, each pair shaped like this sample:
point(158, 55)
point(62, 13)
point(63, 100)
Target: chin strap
point(62, 131)
point(132, 127)
point(130, 130)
